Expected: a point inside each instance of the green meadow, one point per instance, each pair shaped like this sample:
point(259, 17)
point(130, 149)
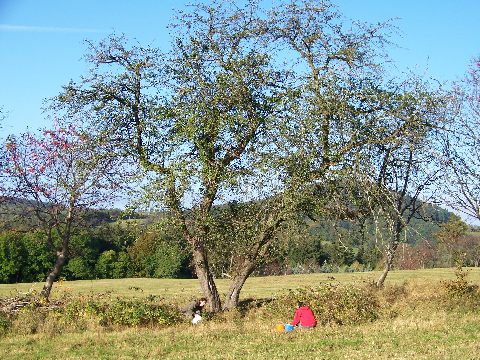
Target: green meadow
point(416, 321)
point(256, 287)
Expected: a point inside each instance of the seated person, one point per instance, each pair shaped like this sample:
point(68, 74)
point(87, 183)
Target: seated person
point(304, 317)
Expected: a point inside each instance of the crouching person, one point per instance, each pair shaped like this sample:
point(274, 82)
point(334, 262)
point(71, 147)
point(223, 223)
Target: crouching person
point(193, 311)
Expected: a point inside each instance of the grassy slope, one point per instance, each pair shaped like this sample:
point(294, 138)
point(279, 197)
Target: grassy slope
point(413, 330)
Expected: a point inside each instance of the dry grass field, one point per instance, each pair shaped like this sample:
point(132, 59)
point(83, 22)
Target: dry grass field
point(256, 287)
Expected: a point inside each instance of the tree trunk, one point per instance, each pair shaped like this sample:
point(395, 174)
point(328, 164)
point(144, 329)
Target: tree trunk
point(61, 254)
point(241, 276)
point(207, 282)
point(392, 248)
point(59, 262)
point(388, 265)
point(247, 264)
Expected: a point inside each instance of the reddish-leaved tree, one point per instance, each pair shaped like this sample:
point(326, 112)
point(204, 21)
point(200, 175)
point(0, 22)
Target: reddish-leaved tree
point(55, 177)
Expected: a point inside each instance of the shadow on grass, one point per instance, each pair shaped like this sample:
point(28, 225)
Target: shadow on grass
point(247, 305)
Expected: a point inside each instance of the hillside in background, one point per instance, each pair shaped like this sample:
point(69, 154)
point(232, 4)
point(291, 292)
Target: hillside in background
point(111, 243)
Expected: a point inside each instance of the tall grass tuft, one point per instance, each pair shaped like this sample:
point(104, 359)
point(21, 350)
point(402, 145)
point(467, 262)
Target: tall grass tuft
point(5, 323)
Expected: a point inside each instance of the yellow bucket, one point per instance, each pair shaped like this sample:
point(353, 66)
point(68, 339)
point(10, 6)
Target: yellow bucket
point(279, 328)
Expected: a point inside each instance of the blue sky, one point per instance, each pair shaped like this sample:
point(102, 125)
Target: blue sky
point(41, 41)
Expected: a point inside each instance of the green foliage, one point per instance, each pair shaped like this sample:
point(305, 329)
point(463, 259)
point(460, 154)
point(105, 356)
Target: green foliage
point(78, 268)
point(338, 304)
point(107, 311)
point(80, 313)
point(113, 265)
point(105, 266)
point(339, 254)
point(12, 257)
point(169, 261)
point(24, 257)
point(86, 250)
point(135, 313)
point(160, 253)
point(310, 250)
point(40, 257)
point(117, 236)
point(100, 253)
point(122, 267)
point(369, 256)
point(29, 256)
point(452, 230)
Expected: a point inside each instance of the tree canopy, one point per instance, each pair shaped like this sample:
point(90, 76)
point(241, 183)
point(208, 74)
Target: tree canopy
point(253, 119)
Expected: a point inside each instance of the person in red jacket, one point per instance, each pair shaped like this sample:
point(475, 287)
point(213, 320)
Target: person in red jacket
point(304, 317)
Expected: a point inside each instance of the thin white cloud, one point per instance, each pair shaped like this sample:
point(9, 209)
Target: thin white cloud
point(29, 28)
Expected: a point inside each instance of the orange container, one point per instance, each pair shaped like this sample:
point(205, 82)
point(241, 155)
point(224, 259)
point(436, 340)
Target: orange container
point(279, 328)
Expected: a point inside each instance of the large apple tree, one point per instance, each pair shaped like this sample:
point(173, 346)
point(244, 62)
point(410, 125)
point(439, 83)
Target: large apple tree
point(252, 106)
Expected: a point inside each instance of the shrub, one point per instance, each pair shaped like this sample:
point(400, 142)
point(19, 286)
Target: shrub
point(394, 292)
point(460, 292)
point(135, 312)
point(29, 320)
point(122, 268)
point(109, 311)
point(331, 304)
point(4, 323)
point(90, 312)
point(104, 266)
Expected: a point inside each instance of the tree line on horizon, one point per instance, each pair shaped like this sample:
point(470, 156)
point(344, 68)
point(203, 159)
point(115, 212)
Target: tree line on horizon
point(253, 124)
point(112, 247)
